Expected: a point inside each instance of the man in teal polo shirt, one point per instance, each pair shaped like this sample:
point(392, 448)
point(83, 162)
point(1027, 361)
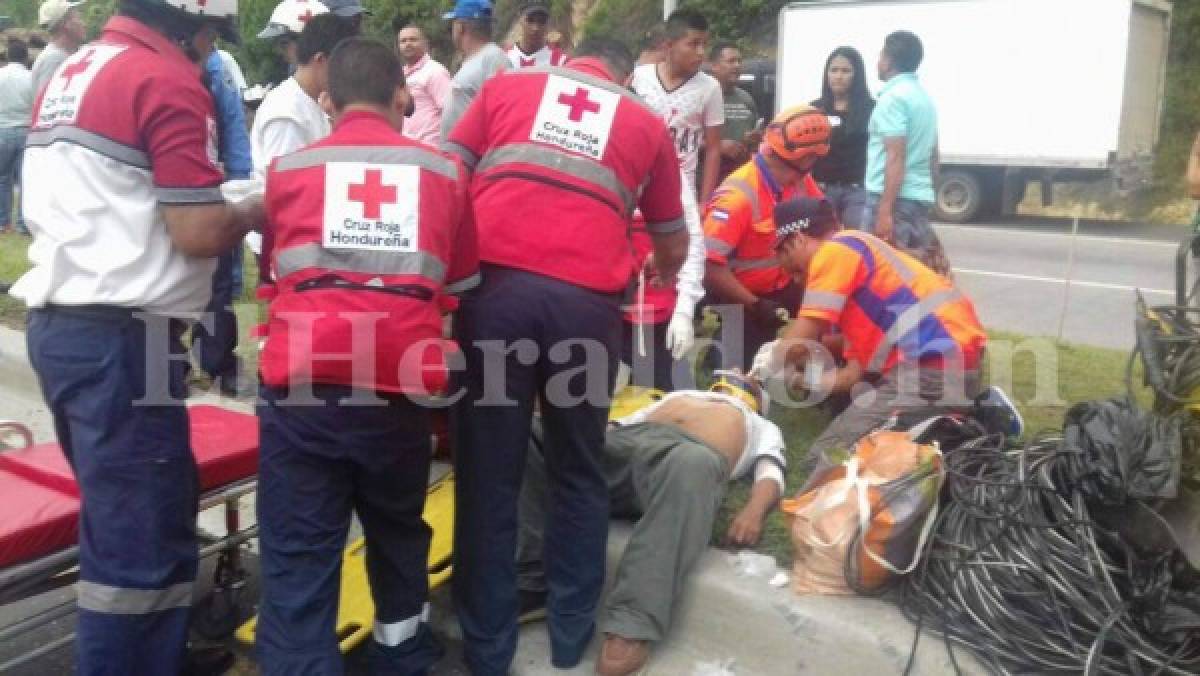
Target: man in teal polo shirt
point(902, 154)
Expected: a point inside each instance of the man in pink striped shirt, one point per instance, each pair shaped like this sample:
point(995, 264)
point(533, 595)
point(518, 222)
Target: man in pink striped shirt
point(428, 83)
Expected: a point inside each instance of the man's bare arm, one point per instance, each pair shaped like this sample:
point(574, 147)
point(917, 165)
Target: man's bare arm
point(721, 282)
point(746, 528)
point(207, 230)
point(893, 178)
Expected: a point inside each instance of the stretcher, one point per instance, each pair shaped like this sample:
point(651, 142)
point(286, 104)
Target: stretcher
point(39, 521)
point(356, 610)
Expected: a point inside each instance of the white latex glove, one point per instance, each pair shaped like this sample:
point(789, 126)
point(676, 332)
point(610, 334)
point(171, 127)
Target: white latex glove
point(769, 361)
point(681, 335)
point(239, 189)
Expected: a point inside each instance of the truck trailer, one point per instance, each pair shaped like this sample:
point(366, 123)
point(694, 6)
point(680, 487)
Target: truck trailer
point(1026, 90)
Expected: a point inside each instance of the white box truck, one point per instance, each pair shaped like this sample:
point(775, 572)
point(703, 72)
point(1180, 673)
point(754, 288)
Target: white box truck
point(1026, 90)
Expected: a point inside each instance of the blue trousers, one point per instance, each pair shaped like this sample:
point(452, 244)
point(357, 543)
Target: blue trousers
point(12, 149)
point(521, 334)
point(849, 201)
point(912, 229)
point(214, 349)
point(138, 481)
point(317, 464)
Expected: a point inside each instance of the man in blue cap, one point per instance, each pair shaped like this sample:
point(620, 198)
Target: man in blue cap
point(471, 32)
point(351, 10)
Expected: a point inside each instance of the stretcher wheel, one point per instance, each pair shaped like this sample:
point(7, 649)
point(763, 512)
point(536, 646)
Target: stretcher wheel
point(219, 614)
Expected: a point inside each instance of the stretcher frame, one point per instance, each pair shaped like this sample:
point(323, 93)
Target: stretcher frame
point(59, 570)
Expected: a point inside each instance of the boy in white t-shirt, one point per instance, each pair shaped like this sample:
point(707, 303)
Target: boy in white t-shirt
point(689, 101)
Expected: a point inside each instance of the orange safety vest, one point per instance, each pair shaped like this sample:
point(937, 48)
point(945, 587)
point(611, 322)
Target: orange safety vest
point(739, 225)
point(369, 230)
point(890, 307)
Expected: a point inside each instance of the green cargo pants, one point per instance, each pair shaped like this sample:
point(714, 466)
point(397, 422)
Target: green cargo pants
point(667, 481)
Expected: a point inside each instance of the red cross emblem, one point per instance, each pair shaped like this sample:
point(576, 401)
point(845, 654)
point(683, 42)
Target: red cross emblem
point(78, 68)
point(372, 194)
point(579, 104)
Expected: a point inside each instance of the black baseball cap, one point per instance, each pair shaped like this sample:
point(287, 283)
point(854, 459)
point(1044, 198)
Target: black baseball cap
point(803, 215)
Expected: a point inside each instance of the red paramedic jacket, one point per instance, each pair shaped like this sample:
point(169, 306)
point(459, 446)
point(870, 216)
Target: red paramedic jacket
point(561, 158)
point(369, 231)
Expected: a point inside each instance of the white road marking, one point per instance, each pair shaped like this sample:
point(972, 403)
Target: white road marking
point(984, 230)
point(1059, 280)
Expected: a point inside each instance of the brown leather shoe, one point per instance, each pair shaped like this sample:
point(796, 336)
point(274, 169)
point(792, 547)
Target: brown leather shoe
point(621, 656)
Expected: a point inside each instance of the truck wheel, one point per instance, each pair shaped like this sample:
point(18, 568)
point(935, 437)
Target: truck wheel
point(959, 197)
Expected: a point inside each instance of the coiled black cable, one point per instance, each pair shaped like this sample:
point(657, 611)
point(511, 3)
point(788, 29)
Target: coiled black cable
point(1019, 573)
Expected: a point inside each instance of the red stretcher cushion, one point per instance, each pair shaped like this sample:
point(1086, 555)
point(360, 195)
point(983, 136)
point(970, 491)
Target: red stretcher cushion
point(39, 508)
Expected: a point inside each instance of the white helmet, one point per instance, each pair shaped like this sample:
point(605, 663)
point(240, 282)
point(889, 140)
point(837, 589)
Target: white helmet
point(222, 14)
point(290, 16)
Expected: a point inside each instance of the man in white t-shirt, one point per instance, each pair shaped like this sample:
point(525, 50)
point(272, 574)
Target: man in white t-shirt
point(531, 48)
point(689, 101)
point(289, 117)
point(692, 106)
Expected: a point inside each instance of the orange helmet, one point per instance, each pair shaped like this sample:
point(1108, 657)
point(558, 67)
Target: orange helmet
point(798, 133)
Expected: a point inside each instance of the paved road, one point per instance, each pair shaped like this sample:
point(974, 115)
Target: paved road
point(1017, 274)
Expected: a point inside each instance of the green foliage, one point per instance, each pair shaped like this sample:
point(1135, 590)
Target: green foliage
point(625, 20)
point(22, 12)
point(747, 22)
point(1181, 110)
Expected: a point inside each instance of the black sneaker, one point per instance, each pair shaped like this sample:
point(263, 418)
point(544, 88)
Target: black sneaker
point(532, 606)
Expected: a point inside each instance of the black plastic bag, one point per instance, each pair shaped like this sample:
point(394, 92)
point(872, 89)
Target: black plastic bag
point(1127, 453)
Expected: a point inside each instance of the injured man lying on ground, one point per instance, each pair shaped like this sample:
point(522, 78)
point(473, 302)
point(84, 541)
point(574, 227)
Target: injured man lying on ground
point(667, 467)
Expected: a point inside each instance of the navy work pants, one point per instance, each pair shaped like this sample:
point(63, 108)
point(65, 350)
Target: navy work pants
point(317, 464)
point(214, 349)
point(531, 338)
point(137, 479)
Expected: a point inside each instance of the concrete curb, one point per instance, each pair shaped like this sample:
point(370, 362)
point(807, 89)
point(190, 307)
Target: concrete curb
point(734, 619)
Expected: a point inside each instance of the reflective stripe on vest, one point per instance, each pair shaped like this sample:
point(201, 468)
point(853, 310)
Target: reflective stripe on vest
point(90, 140)
point(365, 261)
point(418, 157)
point(718, 245)
point(824, 300)
point(753, 263)
point(463, 153)
point(102, 598)
point(743, 186)
point(910, 319)
point(560, 161)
